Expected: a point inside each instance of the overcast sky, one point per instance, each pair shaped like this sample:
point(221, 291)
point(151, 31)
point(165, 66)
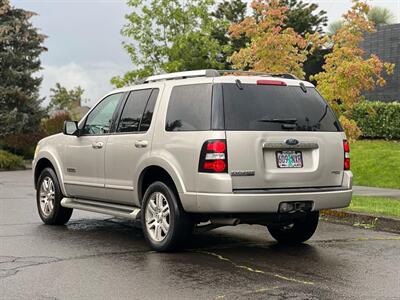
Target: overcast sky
point(84, 40)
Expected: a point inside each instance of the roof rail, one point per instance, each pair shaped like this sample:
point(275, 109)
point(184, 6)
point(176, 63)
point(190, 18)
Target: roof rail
point(211, 73)
point(183, 75)
point(282, 75)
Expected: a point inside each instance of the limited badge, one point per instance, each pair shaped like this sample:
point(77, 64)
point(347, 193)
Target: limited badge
point(243, 173)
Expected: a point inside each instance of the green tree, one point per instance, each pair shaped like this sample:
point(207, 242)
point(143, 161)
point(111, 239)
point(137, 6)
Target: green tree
point(169, 36)
point(68, 100)
point(381, 16)
point(304, 17)
point(63, 99)
point(20, 47)
point(228, 12)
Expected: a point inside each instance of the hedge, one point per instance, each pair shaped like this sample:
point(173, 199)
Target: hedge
point(378, 120)
point(9, 161)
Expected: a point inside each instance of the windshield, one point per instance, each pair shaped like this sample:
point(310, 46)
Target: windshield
point(276, 108)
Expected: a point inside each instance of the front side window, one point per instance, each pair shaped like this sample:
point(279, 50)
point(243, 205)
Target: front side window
point(189, 108)
point(100, 118)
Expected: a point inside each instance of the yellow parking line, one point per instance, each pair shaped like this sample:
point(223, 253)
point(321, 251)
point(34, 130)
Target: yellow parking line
point(249, 269)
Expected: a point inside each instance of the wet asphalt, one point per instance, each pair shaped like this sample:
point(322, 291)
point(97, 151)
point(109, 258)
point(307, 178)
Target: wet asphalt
point(98, 257)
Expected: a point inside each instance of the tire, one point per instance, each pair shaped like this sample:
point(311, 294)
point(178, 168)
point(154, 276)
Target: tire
point(161, 207)
point(298, 232)
point(48, 199)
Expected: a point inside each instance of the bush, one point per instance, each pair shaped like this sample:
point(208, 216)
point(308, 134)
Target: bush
point(22, 143)
point(55, 124)
point(10, 161)
point(378, 119)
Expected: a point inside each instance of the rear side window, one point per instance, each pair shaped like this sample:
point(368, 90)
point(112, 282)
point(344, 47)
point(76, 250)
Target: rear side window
point(276, 108)
point(189, 108)
point(138, 111)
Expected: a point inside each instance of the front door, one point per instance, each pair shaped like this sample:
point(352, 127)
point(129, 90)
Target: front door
point(129, 145)
point(84, 163)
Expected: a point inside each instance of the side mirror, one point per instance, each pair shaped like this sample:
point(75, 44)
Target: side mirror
point(71, 128)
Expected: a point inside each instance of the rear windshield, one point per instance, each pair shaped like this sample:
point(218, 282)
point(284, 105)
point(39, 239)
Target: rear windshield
point(276, 108)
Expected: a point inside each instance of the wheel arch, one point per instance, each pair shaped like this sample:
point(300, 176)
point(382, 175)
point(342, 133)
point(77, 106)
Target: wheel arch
point(152, 173)
point(47, 161)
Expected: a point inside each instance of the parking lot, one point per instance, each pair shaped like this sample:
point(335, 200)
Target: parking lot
point(98, 257)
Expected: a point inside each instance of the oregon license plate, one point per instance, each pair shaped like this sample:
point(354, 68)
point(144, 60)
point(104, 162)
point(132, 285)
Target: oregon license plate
point(289, 159)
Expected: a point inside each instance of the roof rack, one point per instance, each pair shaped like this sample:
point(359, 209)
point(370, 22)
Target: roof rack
point(211, 73)
point(183, 75)
point(282, 75)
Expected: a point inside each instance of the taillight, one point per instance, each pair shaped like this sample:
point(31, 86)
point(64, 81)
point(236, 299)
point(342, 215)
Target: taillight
point(213, 157)
point(346, 148)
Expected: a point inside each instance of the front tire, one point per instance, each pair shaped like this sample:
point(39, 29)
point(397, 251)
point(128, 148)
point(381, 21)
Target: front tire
point(48, 199)
point(165, 225)
point(297, 232)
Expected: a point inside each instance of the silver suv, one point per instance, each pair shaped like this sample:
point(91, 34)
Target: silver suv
point(199, 150)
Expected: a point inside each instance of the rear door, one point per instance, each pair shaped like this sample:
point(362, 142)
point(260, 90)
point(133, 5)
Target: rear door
point(129, 145)
point(281, 137)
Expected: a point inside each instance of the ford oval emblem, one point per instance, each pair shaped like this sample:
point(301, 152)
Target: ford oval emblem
point(291, 142)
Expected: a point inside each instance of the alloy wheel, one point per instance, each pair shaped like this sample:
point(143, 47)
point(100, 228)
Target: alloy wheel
point(47, 196)
point(157, 218)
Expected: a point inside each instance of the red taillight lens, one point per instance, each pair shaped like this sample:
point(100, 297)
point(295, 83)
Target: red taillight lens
point(346, 148)
point(271, 82)
point(213, 157)
point(216, 146)
point(217, 166)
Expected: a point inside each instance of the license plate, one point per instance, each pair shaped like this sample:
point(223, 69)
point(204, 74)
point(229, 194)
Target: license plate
point(289, 159)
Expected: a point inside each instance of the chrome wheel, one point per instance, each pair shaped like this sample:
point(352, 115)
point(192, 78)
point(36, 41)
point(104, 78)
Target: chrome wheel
point(47, 196)
point(157, 216)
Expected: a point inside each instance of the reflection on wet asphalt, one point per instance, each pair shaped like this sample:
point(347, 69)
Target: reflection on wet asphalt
point(98, 257)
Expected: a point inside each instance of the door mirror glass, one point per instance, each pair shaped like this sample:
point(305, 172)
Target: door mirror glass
point(71, 128)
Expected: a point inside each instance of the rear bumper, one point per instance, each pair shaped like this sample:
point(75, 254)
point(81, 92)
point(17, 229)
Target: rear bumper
point(262, 203)
point(266, 202)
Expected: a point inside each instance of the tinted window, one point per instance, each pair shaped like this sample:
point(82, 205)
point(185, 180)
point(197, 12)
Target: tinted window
point(276, 108)
point(189, 108)
point(100, 118)
point(133, 111)
point(148, 112)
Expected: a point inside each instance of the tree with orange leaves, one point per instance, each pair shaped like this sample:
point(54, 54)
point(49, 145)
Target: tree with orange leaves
point(347, 72)
point(272, 48)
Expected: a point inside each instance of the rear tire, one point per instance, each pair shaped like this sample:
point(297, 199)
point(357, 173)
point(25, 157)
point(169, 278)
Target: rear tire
point(298, 232)
point(48, 199)
point(165, 224)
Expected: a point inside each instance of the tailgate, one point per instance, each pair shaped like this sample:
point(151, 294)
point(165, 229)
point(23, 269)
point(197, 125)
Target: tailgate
point(269, 160)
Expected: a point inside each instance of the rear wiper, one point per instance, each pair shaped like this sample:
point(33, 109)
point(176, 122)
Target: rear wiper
point(324, 114)
point(276, 120)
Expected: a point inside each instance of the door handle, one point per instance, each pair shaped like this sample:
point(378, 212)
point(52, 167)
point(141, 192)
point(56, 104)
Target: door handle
point(141, 144)
point(97, 145)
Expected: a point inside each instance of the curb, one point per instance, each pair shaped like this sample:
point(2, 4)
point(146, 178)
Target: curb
point(27, 166)
point(361, 220)
point(15, 169)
